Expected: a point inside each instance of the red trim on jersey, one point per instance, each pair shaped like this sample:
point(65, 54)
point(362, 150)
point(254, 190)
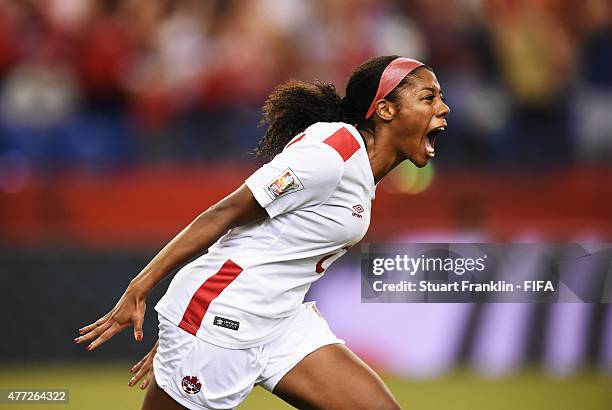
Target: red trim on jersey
point(343, 142)
point(299, 137)
point(210, 289)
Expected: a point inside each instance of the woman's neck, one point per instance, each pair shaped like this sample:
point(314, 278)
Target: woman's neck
point(383, 158)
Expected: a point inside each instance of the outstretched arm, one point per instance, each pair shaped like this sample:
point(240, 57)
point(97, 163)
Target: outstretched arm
point(238, 208)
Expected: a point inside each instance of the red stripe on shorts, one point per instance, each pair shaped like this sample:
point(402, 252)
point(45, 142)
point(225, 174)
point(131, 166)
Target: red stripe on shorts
point(343, 142)
point(206, 293)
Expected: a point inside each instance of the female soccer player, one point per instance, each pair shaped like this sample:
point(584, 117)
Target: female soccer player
point(235, 317)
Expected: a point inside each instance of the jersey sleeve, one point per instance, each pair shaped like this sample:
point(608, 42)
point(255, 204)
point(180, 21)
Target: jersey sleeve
point(301, 176)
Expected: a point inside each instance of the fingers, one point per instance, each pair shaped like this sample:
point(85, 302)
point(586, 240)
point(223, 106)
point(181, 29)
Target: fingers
point(94, 333)
point(147, 374)
point(138, 321)
point(138, 365)
point(144, 370)
point(148, 358)
point(128, 311)
point(147, 380)
point(110, 332)
point(89, 328)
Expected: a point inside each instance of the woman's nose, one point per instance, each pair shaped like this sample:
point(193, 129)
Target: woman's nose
point(444, 110)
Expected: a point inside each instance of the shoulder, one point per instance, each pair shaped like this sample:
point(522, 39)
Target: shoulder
point(339, 138)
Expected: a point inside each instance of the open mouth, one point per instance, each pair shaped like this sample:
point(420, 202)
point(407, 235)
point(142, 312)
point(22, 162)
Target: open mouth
point(430, 140)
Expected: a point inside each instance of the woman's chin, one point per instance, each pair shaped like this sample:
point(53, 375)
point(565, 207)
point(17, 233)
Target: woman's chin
point(419, 155)
point(419, 162)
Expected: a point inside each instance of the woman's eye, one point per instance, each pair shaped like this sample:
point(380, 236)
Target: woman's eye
point(429, 97)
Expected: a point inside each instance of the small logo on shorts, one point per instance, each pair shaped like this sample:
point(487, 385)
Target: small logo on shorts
point(227, 323)
point(191, 384)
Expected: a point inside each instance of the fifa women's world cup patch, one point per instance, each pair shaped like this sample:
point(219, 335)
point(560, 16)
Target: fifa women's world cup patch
point(286, 183)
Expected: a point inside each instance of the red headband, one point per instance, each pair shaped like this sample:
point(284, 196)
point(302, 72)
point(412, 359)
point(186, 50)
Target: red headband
point(394, 73)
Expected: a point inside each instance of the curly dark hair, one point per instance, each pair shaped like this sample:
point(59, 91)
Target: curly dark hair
point(295, 105)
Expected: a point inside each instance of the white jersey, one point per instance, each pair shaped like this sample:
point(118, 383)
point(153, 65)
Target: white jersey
point(318, 194)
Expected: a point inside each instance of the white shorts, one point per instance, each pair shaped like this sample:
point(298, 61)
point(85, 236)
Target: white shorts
point(200, 375)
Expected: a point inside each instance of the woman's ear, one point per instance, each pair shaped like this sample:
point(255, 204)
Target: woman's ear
point(385, 109)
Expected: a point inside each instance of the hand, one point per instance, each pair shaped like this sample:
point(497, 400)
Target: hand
point(130, 309)
point(144, 368)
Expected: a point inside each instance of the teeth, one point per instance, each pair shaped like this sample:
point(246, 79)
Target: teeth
point(430, 150)
point(428, 147)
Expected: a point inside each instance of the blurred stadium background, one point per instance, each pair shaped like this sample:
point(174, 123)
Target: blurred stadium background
point(120, 121)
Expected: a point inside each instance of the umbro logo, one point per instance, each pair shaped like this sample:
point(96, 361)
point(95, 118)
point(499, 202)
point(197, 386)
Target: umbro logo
point(358, 210)
point(227, 323)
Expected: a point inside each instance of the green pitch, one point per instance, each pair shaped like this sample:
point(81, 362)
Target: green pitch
point(105, 387)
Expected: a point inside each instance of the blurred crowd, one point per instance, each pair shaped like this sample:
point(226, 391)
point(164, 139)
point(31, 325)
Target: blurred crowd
point(101, 84)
